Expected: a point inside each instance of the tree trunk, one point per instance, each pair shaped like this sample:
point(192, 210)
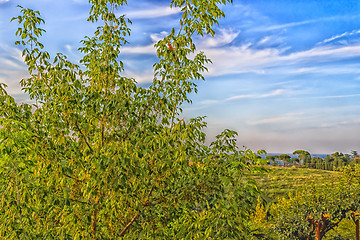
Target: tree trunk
point(317, 231)
point(356, 221)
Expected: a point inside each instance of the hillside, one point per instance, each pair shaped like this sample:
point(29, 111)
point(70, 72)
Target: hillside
point(279, 181)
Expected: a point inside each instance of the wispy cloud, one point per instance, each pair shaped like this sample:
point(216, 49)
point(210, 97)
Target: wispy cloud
point(152, 12)
point(325, 53)
point(241, 59)
point(325, 69)
point(300, 23)
point(155, 37)
point(4, 1)
point(148, 49)
point(140, 77)
point(245, 59)
point(223, 37)
point(340, 124)
point(276, 92)
point(209, 102)
point(339, 96)
point(336, 37)
point(12, 79)
point(286, 25)
point(240, 97)
point(12, 68)
point(288, 118)
point(11, 57)
point(271, 41)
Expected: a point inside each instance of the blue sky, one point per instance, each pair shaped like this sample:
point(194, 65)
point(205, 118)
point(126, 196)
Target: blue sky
point(285, 73)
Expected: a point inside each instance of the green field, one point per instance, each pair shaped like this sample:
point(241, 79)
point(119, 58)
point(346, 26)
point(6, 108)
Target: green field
point(278, 182)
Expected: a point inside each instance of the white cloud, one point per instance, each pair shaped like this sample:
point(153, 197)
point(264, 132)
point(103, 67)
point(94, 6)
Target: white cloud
point(240, 97)
point(152, 12)
point(276, 92)
point(326, 70)
point(345, 34)
point(340, 124)
point(149, 49)
point(264, 40)
point(155, 37)
point(295, 24)
point(9, 63)
point(225, 36)
point(287, 25)
point(12, 68)
point(325, 53)
point(240, 59)
point(12, 80)
point(245, 59)
point(4, 1)
point(340, 96)
point(209, 102)
point(267, 41)
point(287, 118)
point(69, 48)
point(13, 59)
point(140, 77)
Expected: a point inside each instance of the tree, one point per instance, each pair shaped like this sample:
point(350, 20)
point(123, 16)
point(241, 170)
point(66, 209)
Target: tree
point(328, 163)
point(101, 158)
point(286, 158)
point(302, 155)
point(271, 159)
point(295, 161)
point(315, 211)
point(261, 161)
point(337, 154)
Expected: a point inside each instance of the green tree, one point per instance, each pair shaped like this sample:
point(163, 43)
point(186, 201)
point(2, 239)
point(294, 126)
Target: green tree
point(286, 158)
point(302, 155)
point(271, 159)
point(328, 163)
point(317, 210)
point(295, 161)
point(99, 157)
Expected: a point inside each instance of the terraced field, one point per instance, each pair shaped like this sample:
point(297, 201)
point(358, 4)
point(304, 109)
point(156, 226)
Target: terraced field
point(278, 182)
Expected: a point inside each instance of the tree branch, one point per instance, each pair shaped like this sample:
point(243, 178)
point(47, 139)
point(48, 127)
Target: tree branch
point(122, 233)
point(71, 177)
point(84, 136)
point(75, 200)
point(129, 224)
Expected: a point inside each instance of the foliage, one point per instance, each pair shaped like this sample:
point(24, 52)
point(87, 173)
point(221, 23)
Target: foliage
point(260, 224)
point(302, 155)
point(319, 209)
point(99, 157)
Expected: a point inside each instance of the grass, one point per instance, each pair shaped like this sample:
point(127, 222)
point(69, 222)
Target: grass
point(277, 182)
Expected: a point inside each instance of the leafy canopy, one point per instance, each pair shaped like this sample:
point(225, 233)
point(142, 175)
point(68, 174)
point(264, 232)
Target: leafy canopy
point(99, 157)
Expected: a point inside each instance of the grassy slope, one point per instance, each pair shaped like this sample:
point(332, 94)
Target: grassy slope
point(279, 181)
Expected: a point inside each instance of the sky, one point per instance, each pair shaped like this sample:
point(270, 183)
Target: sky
point(285, 73)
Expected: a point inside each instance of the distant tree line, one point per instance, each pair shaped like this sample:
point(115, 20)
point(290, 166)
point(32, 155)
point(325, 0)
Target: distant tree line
point(304, 159)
